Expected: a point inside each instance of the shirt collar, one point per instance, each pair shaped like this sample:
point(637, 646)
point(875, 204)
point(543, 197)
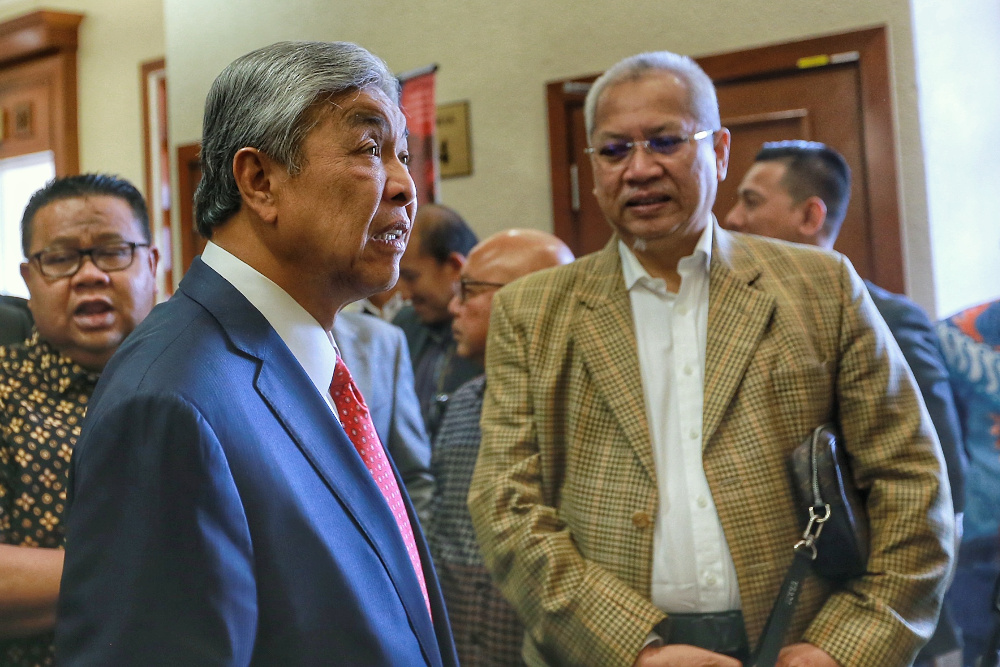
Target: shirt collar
point(311, 345)
point(699, 259)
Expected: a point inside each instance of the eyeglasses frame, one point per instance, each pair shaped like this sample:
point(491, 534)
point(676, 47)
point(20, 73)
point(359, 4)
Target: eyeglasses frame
point(88, 252)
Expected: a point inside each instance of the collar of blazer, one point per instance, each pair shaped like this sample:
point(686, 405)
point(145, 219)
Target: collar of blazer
point(738, 315)
point(306, 416)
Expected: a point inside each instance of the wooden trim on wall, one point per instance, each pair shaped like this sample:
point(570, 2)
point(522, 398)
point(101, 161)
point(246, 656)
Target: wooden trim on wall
point(188, 174)
point(145, 69)
point(37, 34)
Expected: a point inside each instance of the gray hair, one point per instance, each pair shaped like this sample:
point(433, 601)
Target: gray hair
point(265, 100)
point(704, 104)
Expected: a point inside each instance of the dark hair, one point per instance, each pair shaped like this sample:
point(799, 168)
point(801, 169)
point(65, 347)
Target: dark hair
point(813, 169)
point(265, 100)
point(442, 231)
point(84, 185)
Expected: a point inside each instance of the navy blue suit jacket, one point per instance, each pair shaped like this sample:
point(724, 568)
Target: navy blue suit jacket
point(915, 336)
point(219, 515)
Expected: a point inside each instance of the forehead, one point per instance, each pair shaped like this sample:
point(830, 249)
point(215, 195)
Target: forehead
point(765, 177)
point(368, 108)
point(656, 98)
point(82, 219)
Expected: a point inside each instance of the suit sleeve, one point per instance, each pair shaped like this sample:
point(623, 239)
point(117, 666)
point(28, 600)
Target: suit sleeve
point(922, 349)
point(578, 611)
point(159, 565)
point(408, 443)
point(883, 617)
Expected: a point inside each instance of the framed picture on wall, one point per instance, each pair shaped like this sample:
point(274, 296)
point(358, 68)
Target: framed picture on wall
point(453, 139)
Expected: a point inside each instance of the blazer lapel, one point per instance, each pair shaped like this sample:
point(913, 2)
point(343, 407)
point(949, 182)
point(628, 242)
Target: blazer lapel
point(307, 417)
point(738, 315)
point(606, 335)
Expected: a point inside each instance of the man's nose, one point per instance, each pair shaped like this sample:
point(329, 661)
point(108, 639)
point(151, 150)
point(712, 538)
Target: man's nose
point(642, 164)
point(734, 219)
point(88, 273)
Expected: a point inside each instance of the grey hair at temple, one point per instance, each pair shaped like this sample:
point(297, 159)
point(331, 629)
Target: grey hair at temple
point(265, 100)
point(703, 102)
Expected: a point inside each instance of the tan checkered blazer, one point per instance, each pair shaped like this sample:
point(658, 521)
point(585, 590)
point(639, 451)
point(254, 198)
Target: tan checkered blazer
point(564, 492)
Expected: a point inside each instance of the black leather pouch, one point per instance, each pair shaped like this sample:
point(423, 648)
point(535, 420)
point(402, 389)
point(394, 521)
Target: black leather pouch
point(823, 481)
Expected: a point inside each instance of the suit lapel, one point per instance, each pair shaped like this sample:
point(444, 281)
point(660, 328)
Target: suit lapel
point(306, 416)
point(606, 335)
point(738, 315)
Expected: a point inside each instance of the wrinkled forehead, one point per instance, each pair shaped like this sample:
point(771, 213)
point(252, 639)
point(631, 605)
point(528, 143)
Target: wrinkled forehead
point(658, 93)
point(89, 217)
point(367, 108)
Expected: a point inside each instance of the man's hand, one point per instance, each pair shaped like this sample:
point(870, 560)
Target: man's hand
point(805, 655)
point(682, 655)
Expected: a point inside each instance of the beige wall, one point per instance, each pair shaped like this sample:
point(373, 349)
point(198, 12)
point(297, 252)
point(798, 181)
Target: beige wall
point(499, 56)
point(115, 37)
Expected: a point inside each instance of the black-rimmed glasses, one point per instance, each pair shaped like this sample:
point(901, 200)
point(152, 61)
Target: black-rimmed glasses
point(464, 292)
point(63, 262)
point(617, 152)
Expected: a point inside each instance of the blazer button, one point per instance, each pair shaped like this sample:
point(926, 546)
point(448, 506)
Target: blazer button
point(642, 520)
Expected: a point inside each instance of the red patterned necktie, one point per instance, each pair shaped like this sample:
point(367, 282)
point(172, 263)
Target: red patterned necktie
point(358, 424)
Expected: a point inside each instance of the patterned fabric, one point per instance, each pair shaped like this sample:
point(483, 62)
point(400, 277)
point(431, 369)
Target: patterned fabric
point(971, 344)
point(43, 398)
point(564, 495)
point(358, 424)
point(486, 628)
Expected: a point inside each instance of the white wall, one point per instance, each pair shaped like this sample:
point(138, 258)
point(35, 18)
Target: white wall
point(958, 88)
point(500, 55)
point(115, 37)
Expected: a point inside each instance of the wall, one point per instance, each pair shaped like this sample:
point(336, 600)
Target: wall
point(114, 38)
point(499, 56)
point(958, 87)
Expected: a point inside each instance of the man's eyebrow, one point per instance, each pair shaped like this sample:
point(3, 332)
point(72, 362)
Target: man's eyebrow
point(368, 119)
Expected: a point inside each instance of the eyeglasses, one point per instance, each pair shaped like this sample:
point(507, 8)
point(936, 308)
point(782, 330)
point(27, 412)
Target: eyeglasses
point(63, 262)
point(617, 152)
point(463, 288)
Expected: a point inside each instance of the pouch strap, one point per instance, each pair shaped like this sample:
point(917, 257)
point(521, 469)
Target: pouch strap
point(766, 653)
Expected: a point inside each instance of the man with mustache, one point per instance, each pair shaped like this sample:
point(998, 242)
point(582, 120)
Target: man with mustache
point(631, 496)
point(90, 272)
point(231, 500)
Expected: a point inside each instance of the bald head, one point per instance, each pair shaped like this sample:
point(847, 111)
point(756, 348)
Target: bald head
point(495, 262)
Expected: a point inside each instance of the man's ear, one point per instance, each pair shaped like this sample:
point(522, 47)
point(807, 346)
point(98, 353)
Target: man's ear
point(814, 215)
point(25, 275)
point(722, 140)
point(256, 175)
point(455, 262)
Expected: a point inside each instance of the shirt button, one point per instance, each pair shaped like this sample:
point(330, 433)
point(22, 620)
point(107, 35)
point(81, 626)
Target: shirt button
point(702, 501)
point(682, 310)
point(711, 580)
point(693, 434)
point(688, 370)
point(642, 520)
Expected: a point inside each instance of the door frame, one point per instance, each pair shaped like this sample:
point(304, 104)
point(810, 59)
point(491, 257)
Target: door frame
point(878, 134)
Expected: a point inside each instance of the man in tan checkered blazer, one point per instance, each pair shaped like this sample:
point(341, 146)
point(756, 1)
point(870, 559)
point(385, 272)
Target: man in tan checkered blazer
point(642, 403)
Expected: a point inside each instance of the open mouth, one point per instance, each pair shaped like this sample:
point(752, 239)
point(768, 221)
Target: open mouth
point(648, 200)
point(94, 314)
point(92, 308)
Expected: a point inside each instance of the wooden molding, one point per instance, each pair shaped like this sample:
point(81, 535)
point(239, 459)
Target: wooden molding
point(37, 34)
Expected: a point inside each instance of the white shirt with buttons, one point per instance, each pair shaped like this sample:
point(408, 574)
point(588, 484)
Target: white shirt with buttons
point(693, 569)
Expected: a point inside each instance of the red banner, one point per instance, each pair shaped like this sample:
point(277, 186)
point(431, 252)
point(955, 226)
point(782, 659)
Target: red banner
point(420, 110)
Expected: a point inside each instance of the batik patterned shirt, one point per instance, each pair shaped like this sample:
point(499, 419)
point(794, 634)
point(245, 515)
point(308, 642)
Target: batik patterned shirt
point(970, 341)
point(43, 399)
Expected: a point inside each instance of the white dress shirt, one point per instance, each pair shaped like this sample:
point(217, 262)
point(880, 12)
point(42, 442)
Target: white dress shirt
point(693, 569)
point(311, 345)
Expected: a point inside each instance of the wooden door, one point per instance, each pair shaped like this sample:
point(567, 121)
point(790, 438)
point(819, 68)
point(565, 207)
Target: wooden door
point(831, 89)
point(188, 177)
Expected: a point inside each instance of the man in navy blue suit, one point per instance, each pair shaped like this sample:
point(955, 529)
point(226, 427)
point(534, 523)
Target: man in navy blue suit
point(220, 514)
point(798, 191)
